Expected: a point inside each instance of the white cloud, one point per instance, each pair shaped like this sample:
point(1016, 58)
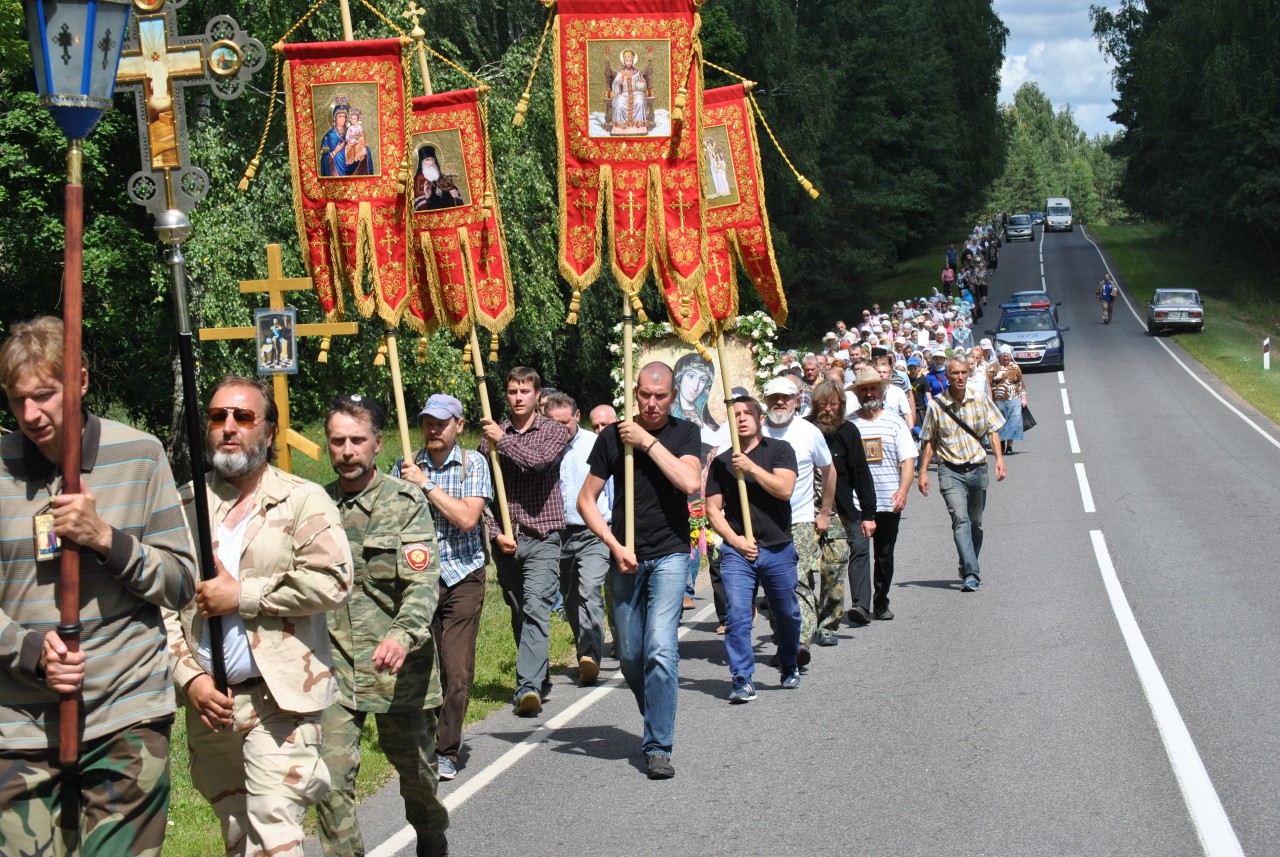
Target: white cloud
point(1053, 45)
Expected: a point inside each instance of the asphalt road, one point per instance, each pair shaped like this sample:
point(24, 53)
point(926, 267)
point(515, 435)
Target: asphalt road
point(1109, 690)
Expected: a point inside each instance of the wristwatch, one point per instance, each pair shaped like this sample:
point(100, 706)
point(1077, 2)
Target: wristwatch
point(428, 487)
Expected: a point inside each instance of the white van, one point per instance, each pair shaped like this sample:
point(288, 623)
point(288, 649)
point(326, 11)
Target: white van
point(1057, 214)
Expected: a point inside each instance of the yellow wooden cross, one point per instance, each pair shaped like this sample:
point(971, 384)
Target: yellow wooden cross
point(275, 286)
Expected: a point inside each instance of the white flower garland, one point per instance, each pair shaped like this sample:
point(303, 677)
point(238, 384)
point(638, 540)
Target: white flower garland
point(757, 325)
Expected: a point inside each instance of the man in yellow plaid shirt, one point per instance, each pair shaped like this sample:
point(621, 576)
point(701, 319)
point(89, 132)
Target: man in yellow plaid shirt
point(953, 425)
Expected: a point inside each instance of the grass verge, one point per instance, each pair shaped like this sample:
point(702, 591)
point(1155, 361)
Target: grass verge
point(193, 828)
point(1240, 305)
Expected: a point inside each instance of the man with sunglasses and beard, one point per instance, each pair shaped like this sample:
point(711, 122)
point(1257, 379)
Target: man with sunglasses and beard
point(282, 561)
point(851, 521)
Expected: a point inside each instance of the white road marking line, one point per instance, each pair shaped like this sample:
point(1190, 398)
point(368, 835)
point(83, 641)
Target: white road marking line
point(1062, 376)
point(1249, 422)
point(405, 836)
point(1071, 436)
point(1208, 816)
point(1066, 403)
point(1086, 496)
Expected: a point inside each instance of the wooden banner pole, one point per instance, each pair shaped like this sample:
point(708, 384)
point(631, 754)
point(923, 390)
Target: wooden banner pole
point(734, 437)
point(629, 412)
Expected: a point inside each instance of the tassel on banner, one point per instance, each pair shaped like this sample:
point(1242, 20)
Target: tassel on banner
point(522, 106)
point(466, 356)
point(702, 351)
point(249, 173)
point(422, 349)
point(381, 358)
point(493, 348)
point(324, 349)
point(637, 307)
point(677, 110)
point(575, 304)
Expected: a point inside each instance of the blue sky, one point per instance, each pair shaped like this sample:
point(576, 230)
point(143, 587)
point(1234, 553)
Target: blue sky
point(1051, 42)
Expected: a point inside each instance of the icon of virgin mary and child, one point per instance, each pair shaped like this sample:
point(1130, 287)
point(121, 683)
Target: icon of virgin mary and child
point(344, 151)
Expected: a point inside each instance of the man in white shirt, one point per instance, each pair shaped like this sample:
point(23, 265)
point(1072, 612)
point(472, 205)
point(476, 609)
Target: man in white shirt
point(807, 522)
point(584, 558)
point(891, 455)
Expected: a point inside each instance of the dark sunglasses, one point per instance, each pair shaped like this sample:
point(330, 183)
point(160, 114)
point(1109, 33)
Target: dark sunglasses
point(242, 416)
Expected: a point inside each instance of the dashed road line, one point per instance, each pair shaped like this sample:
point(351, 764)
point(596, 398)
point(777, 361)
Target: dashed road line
point(1086, 496)
point(1071, 436)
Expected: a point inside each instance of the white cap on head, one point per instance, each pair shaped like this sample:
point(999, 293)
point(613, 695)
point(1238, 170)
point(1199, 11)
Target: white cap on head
point(781, 386)
point(1006, 348)
point(985, 344)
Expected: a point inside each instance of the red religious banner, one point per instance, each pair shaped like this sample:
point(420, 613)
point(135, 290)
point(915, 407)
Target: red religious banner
point(737, 222)
point(628, 123)
point(346, 118)
point(460, 252)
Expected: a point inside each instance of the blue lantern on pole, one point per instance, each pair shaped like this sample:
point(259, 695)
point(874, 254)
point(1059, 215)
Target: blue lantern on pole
point(75, 47)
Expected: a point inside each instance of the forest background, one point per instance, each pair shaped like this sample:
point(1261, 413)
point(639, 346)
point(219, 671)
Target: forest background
point(889, 106)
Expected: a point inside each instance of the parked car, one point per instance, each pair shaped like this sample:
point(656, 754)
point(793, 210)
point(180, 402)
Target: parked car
point(1175, 309)
point(1037, 217)
point(1019, 226)
point(1034, 335)
point(1033, 300)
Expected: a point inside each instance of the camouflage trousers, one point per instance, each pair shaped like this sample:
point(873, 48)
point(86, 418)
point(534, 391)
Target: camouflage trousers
point(805, 537)
point(833, 563)
point(123, 793)
point(409, 740)
point(260, 774)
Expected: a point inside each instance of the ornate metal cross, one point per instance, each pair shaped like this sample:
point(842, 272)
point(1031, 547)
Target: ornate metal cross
point(157, 65)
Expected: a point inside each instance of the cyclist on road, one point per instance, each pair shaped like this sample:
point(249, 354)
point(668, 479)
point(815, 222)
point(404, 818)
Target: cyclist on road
point(1107, 292)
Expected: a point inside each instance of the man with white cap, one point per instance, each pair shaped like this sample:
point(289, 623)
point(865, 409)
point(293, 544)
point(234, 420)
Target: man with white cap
point(807, 523)
point(988, 350)
point(891, 454)
point(457, 484)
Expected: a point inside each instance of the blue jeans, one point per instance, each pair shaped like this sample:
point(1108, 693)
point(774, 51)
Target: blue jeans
point(694, 562)
point(775, 571)
point(964, 489)
point(647, 607)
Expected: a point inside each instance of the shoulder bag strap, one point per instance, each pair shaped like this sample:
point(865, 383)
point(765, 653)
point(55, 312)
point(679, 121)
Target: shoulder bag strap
point(964, 425)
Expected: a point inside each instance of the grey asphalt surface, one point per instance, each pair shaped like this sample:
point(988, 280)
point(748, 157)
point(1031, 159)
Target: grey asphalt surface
point(1010, 721)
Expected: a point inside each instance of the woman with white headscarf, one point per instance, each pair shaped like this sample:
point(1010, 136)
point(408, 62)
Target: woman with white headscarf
point(1010, 395)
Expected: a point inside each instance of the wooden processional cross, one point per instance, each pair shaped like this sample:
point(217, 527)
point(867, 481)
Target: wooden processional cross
point(276, 285)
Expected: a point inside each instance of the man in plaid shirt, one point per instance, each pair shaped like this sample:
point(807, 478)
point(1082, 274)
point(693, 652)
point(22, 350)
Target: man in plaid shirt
point(962, 461)
point(530, 448)
point(456, 483)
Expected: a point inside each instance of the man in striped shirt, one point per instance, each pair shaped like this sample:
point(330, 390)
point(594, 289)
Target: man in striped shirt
point(135, 558)
point(953, 424)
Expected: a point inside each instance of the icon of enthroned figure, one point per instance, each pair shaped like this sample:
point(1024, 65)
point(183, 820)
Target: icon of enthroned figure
point(631, 97)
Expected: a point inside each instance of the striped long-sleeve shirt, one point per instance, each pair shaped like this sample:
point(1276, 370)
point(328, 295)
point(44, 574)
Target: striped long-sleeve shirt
point(151, 565)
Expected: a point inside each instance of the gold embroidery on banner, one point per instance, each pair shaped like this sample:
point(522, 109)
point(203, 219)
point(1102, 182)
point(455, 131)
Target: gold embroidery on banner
point(735, 118)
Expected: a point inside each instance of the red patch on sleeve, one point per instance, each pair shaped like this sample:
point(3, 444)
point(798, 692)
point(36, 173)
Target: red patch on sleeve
point(417, 555)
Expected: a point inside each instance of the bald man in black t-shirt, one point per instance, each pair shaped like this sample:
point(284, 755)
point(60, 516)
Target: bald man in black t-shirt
point(647, 582)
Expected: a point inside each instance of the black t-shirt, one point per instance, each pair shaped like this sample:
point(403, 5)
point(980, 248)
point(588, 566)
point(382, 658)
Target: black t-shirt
point(662, 510)
point(770, 516)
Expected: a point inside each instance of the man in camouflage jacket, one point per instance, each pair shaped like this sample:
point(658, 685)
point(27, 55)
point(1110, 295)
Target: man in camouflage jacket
point(384, 654)
point(283, 562)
